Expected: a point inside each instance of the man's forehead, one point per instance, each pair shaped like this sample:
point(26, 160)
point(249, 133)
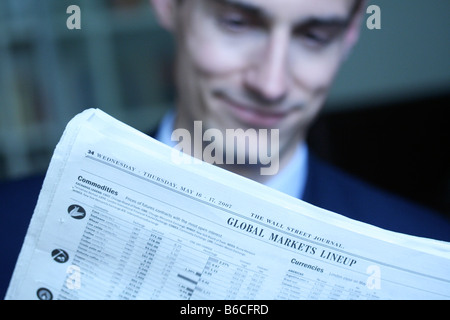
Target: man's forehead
point(293, 9)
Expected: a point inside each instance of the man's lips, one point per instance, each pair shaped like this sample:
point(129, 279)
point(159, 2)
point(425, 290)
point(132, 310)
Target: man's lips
point(254, 116)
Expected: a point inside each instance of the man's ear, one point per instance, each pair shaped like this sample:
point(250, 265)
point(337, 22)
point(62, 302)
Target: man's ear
point(354, 29)
point(164, 10)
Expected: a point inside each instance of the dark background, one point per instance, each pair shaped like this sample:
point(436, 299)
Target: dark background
point(402, 147)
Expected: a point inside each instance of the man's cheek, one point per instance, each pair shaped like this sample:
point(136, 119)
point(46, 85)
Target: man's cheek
point(211, 58)
point(317, 75)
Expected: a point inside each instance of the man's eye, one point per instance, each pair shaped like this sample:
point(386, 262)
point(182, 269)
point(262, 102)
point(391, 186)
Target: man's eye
point(317, 38)
point(234, 22)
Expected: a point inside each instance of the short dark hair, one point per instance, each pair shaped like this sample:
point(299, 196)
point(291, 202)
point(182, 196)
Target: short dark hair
point(357, 5)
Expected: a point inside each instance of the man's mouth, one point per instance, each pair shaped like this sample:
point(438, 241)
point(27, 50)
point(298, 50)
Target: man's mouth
point(257, 117)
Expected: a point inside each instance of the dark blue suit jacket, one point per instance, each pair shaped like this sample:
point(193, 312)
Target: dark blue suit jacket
point(330, 188)
point(326, 187)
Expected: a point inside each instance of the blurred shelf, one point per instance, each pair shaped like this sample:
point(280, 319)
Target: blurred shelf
point(120, 61)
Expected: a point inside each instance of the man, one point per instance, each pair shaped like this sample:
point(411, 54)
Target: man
point(258, 64)
point(270, 64)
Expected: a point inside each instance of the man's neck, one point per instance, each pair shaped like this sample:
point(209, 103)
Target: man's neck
point(250, 171)
point(292, 173)
point(253, 172)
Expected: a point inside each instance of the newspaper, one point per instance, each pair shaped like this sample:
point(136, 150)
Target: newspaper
point(118, 218)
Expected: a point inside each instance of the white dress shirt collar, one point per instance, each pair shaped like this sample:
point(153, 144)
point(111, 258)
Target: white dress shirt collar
point(290, 180)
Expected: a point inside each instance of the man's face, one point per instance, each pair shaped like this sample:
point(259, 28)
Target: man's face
point(258, 63)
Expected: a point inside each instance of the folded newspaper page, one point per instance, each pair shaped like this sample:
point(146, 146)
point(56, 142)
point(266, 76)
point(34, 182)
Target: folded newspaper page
point(118, 217)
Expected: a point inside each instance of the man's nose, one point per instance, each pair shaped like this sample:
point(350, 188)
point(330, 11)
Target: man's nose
point(268, 74)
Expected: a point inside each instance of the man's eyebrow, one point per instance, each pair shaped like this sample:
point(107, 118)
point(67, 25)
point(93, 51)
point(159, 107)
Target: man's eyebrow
point(244, 6)
point(312, 21)
point(335, 22)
